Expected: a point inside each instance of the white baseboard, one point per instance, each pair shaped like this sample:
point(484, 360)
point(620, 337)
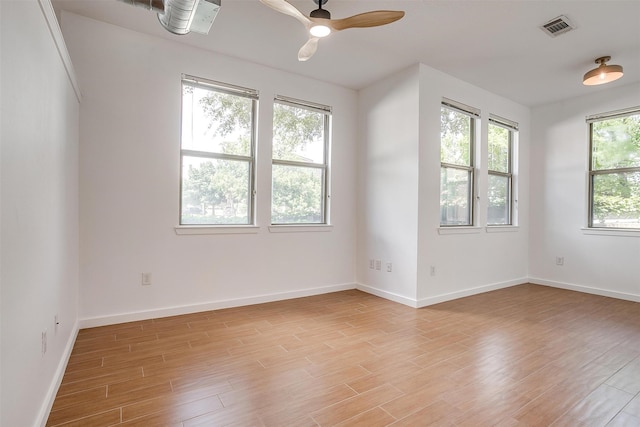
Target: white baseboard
point(387, 295)
point(237, 302)
point(424, 302)
point(47, 404)
point(91, 322)
point(585, 289)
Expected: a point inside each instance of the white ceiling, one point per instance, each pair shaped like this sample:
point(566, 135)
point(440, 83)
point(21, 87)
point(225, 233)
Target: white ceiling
point(496, 45)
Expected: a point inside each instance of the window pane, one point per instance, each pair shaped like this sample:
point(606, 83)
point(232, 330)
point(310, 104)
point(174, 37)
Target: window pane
point(455, 139)
point(215, 191)
point(616, 200)
point(216, 122)
point(616, 143)
point(297, 195)
point(455, 186)
point(498, 149)
point(499, 198)
point(298, 134)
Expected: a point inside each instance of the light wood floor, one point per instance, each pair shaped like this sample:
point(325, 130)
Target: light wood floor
point(524, 356)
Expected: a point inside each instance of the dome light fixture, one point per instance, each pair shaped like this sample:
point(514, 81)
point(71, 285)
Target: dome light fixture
point(603, 73)
point(320, 30)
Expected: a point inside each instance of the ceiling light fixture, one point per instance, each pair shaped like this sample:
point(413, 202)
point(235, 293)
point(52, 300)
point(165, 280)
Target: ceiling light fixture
point(603, 73)
point(319, 22)
point(318, 28)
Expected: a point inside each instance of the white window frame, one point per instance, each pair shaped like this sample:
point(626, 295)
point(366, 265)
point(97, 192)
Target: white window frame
point(324, 166)
point(512, 127)
point(591, 173)
point(474, 117)
point(229, 89)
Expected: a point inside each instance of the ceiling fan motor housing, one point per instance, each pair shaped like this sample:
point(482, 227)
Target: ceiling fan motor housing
point(319, 22)
point(320, 13)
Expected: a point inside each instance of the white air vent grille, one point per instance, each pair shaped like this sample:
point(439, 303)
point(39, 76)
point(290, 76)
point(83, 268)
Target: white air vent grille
point(557, 26)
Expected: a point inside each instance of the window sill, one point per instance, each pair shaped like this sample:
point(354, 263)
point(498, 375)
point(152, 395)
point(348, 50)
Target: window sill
point(459, 230)
point(621, 232)
point(501, 228)
point(300, 228)
point(215, 229)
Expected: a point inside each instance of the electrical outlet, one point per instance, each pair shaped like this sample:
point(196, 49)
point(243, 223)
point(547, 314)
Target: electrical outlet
point(559, 260)
point(146, 279)
point(378, 264)
point(371, 264)
point(389, 267)
point(432, 270)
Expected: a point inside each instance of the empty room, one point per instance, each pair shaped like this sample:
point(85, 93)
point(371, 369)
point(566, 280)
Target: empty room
point(319, 213)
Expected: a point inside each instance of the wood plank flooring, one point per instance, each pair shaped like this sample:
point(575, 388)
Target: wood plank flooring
point(523, 356)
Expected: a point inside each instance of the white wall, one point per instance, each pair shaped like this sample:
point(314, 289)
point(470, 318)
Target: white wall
point(128, 173)
point(598, 263)
point(388, 186)
point(400, 185)
point(468, 263)
point(39, 199)
point(1, 135)
point(129, 192)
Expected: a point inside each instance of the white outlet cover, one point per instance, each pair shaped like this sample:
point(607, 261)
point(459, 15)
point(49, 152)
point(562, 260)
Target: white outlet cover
point(146, 279)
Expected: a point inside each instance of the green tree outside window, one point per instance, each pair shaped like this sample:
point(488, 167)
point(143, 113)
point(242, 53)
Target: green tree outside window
point(615, 172)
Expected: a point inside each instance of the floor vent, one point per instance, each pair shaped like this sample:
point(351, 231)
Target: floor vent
point(557, 26)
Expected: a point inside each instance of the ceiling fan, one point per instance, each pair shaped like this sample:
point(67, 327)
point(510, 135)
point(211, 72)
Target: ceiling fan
point(319, 22)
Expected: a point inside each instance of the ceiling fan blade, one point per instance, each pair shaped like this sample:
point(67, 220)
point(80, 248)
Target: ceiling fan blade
point(308, 49)
point(367, 19)
point(287, 8)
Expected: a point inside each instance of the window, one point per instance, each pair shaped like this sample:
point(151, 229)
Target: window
point(500, 179)
point(300, 162)
point(457, 141)
point(614, 175)
point(217, 153)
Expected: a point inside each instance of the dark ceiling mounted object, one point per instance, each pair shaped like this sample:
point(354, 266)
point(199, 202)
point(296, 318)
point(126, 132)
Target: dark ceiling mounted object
point(557, 26)
point(319, 22)
point(320, 12)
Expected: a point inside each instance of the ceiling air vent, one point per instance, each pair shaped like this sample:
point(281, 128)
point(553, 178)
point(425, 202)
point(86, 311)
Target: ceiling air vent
point(557, 26)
